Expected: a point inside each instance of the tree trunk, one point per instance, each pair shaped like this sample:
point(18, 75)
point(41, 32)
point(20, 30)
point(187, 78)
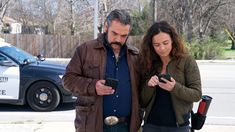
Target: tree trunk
point(152, 3)
point(233, 45)
point(233, 39)
point(72, 22)
point(188, 16)
point(3, 8)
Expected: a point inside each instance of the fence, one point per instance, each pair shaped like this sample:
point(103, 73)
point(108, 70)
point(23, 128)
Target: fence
point(52, 46)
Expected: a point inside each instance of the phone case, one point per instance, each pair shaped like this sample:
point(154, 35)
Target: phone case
point(112, 83)
point(166, 76)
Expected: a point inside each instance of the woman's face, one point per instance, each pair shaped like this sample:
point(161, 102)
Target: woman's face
point(162, 44)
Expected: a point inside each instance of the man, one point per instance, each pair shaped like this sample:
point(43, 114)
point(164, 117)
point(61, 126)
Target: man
point(100, 107)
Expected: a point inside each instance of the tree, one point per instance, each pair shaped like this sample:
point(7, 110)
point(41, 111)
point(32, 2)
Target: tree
point(230, 22)
point(3, 8)
point(194, 19)
point(71, 12)
point(141, 20)
point(207, 14)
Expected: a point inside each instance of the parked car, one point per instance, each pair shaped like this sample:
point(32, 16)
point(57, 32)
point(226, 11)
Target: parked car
point(25, 78)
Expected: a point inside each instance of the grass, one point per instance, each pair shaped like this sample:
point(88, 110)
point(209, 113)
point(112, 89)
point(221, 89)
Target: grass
point(229, 54)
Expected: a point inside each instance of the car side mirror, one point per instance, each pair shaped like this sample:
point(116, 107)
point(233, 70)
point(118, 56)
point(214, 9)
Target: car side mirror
point(26, 61)
point(7, 63)
point(41, 57)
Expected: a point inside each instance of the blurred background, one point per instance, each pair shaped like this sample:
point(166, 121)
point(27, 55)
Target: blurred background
point(55, 27)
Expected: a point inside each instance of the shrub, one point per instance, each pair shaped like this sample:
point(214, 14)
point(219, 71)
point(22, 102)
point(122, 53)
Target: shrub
point(207, 50)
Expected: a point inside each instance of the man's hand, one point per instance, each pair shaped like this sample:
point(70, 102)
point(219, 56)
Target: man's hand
point(101, 89)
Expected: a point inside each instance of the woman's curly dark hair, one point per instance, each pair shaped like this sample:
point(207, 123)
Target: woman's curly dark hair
point(147, 52)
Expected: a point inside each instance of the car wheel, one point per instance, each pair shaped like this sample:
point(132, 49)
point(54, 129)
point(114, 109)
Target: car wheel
point(43, 96)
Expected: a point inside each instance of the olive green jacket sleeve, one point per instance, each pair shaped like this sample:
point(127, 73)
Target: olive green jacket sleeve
point(188, 84)
point(146, 94)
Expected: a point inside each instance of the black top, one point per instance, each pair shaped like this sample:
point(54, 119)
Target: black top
point(162, 113)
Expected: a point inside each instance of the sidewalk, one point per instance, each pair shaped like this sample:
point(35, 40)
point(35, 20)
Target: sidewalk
point(69, 127)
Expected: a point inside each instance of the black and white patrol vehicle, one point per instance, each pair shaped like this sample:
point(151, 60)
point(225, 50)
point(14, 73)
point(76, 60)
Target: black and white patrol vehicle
point(25, 78)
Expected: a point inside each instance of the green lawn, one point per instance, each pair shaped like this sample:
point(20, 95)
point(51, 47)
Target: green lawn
point(229, 54)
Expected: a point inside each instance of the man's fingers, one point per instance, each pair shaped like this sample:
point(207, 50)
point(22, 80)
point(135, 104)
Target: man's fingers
point(105, 90)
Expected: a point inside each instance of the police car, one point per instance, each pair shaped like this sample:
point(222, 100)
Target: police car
point(28, 79)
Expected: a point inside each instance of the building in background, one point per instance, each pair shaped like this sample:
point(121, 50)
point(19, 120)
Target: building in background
point(11, 26)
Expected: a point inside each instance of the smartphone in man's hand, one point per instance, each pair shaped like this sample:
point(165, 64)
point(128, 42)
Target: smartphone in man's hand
point(112, 83)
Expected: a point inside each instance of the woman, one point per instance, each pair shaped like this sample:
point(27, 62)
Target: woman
point(168, 102)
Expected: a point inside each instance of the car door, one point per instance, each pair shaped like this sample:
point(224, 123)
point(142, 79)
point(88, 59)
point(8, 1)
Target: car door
point(9, 78)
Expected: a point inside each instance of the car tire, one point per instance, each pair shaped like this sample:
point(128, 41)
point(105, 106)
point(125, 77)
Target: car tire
point(43, 96)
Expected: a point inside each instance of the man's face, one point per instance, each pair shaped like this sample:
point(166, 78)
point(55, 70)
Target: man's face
point(117, 33)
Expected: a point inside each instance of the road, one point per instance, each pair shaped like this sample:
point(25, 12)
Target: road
point(217, 81)
point(20, 114)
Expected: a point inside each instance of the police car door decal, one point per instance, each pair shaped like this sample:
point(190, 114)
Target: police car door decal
point(9, 82)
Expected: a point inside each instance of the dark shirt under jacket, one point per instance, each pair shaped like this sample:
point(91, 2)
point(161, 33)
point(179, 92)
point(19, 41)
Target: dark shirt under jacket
point(119, 103)
point(162, 113)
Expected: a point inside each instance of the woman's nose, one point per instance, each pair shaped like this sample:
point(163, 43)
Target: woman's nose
point(162, 47)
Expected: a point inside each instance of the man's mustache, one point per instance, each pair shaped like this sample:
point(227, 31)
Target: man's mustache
point(116, 43)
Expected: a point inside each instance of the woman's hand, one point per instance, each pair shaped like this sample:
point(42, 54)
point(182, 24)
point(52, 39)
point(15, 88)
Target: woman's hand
point(153, 81)
point(167, 85)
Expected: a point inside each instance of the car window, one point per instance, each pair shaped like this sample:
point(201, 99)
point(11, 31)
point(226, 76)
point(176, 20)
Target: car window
point(17, 54)
point(2, 58)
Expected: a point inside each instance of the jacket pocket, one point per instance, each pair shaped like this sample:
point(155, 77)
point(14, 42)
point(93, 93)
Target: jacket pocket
point(85, 101)
point(92, 71)
point(82, 113)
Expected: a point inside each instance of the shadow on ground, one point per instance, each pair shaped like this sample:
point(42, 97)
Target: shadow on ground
point(21, 108)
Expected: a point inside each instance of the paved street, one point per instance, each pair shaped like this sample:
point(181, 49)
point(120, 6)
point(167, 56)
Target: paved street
point(69, 127)
point(217, 81)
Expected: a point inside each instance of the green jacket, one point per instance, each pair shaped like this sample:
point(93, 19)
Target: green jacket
point(186, 91)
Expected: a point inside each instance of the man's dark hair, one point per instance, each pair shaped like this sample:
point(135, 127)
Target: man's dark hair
point(121, 15)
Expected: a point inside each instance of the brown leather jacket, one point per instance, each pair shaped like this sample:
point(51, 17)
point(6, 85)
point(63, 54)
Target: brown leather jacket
point(86, 67)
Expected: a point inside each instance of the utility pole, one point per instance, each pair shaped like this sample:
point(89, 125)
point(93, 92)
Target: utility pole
point(103, 14)
point(72, 22)
point(154, 10)
point(96, 18)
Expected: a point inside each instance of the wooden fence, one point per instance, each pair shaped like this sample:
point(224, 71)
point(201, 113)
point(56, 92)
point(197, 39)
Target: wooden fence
point(51, 46)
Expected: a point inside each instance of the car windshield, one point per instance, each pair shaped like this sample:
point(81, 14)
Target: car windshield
point(17, 54)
